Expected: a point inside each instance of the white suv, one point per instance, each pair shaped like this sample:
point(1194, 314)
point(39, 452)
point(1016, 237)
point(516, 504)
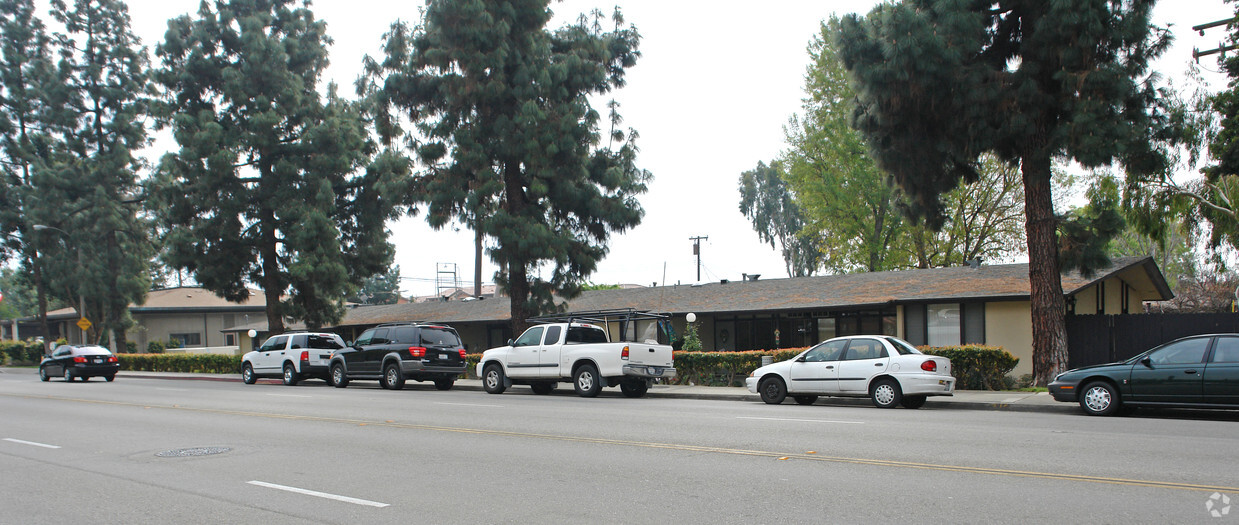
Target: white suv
point(291, 356)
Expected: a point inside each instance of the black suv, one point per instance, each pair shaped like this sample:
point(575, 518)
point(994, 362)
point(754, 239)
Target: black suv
point(392, 353)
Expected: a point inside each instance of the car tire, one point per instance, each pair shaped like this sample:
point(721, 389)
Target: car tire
point(247, 374)
point(542, 388)
point(634, 389)
point(339, 378)
point(772, 390)
point(290, 375)
point(886, 393)
point(913, 401)
point(393, 378)
point(1100, 398)
point(805, 400)
point(493, 380)
point(84, 378)
point(109, 378)
point(444, 384)
point(586, 381)
point(69, 375)
point(43, 374)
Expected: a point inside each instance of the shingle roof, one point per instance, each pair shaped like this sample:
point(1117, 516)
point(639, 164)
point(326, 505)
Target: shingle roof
point(994, 282)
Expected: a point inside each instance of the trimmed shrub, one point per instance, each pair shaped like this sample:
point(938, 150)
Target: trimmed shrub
point(21, 352)
point(194, 363)
point(155, 347)
point(723, 368)
point(977, 367)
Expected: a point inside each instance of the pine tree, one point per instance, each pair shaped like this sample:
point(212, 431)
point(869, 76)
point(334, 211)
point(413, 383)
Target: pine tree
point(501, 106)
point(266, 186)
point(942, 82)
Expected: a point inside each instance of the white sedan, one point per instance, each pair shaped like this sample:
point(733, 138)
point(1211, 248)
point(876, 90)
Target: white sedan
point(884, 368)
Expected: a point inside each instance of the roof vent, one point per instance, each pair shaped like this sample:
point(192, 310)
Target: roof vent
point(751, 277)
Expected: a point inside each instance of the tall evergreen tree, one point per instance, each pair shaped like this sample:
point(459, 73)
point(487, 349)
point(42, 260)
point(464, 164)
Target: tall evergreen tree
point(88, 189)
point(770, 205)
point(941, 82)
point(274, 183)
point(502, 110)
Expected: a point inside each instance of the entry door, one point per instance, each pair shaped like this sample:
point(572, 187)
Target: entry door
point(818, 373)
point(863, 359)
point(1171, 374)
point(1221, 379)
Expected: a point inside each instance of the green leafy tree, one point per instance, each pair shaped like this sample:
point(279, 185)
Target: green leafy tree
point(769, 204)
point(380, 288)
point(985, 220)
point(266, 186)
point(502, 110)
point(88, 187)
point(939, 83)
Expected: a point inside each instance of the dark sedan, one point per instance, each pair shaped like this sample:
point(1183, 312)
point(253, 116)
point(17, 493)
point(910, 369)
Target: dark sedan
point(1198, 372)
point(82, 362)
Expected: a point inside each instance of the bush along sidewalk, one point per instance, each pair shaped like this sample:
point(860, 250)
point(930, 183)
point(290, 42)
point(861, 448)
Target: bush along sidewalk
point(192, 363)
point(21, 352)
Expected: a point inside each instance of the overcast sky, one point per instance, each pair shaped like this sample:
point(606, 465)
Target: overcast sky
point(710, 96)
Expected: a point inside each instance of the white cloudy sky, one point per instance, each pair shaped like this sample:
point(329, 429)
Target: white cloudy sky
point(710, 96)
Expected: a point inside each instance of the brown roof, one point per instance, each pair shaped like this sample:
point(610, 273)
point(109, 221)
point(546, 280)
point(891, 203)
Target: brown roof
point(182, 299)
point(995, 282)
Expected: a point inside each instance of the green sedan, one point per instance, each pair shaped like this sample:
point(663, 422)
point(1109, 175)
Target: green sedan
point(1200, 371)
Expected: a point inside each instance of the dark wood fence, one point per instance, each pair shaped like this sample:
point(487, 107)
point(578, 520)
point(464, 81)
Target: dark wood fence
point(1097, 339)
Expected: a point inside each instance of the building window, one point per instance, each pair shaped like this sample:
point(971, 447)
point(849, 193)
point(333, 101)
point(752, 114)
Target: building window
point(230, 339)
point(942, 322)
point(186, 340)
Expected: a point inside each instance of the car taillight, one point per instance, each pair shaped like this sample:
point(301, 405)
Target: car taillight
point(112, 359)
point(417, 351)
point(929, 366)
point(305, 355)
point(624, 354)
point(79, 359)
point(462, 353)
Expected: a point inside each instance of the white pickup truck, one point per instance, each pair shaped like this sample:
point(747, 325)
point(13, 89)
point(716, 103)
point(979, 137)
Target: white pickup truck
point(548, 354)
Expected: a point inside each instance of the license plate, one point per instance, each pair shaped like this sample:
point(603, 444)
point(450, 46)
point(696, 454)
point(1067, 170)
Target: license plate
point(445, 356)
point(97, 360)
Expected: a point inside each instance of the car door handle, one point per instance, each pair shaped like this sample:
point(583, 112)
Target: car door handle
point(1189, 371)
point(830, 367)
point(877, 364)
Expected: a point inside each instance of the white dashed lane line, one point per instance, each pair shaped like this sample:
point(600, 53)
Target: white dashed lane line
point(317, 494)
point(803, 420)
point(31, 443)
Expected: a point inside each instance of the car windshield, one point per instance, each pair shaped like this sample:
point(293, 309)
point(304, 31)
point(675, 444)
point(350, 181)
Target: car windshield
point(324, 342)
point(586, 335)
point(435, 336)
point(902, 346)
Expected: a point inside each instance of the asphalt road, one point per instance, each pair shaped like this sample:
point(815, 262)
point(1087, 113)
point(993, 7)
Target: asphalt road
point(316, 454)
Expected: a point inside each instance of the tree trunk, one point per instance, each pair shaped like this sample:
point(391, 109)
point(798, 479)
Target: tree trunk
point(518, 276)
point(1049, 331)
point(41, 291)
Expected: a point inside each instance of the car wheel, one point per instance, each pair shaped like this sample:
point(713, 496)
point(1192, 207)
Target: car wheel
point(493, 380)
point(444, 384)
point(393, 378)
point(68, 374)
point(886, 393)
point(542, 389)
point(1100, 398)
point(634, 388)
point(586, 381)
point(805, 400)
point(338, 378)
point(84, 378)
point(913, 401)
point(290, 375)
point(772, 390)
point(247, 374)
point(43, 374)
point(109, 378)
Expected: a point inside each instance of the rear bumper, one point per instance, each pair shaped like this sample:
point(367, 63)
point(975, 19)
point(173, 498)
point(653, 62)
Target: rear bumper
point(320, 371)
point(927, 385)
point(81, 370)
point(651, 372)
point(417, 369)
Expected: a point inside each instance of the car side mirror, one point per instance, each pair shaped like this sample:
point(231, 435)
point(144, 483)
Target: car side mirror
point(510, 342)
point(1147, 362)
point(800, 359)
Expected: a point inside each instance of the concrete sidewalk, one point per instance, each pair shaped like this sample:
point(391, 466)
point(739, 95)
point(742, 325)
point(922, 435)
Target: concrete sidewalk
point(963, 399)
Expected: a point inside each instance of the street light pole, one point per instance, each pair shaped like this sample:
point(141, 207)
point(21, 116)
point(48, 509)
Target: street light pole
point(81, 312)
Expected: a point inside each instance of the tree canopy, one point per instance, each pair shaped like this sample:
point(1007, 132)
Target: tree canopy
point(939, 83)
point(507, 139)
point(275, 183)
point(769, 204)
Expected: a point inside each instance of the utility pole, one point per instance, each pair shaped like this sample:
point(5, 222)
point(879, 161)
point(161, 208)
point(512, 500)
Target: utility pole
point(697, 252)
point(1222, 48)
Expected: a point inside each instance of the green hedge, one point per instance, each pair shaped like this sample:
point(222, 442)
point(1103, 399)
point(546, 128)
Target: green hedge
point(977, 367)
point(200, 363)
point(21, 352)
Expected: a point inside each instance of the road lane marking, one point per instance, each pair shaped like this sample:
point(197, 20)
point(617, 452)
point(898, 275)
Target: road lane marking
point(44, 445)
point(667, 446)
point(172, 389)
point(468, 405)
point(802, 420)
point(346, 499)
point(290, 395)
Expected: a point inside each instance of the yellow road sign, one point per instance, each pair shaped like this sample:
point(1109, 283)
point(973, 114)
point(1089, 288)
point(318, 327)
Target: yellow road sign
point(84, 323)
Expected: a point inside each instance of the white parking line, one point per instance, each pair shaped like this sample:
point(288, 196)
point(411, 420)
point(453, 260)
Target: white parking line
point(345, 499)
point(30, 443)
point(804, 420)
point(469, 405)
point(289, 395)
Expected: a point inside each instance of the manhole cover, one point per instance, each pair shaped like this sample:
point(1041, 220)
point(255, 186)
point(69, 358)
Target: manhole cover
point(188, 452)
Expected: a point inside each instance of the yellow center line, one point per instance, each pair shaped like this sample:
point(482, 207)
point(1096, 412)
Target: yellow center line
point(670, 446)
